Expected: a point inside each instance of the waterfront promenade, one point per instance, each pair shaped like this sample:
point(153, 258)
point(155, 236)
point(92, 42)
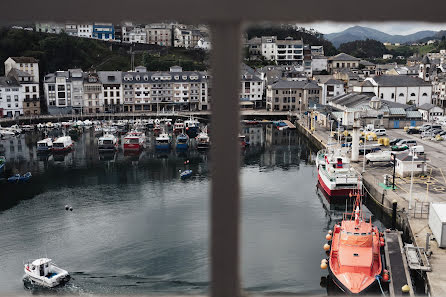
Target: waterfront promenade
point(425, 189)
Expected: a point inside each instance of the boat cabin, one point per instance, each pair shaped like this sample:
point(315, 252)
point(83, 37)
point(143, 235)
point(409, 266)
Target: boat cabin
point(40, 267)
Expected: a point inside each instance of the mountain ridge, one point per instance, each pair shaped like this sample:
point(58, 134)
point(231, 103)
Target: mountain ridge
point(362, 33)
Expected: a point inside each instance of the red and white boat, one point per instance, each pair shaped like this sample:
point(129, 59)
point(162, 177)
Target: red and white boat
point(335, 175)
point(178, 127)
point(356, 264)
point(62, 144)
point(134, 141)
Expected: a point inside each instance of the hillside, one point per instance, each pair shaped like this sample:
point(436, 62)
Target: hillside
point(62, 52)
point(363, 33)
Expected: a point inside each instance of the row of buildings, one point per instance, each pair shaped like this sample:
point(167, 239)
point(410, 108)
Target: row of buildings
point(163, 34)
point(277, 87)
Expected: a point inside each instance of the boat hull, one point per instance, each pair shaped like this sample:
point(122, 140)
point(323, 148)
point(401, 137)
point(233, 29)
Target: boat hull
point(182, 146)
point(62, 149)
point(132, 147)
point(57, 283)
point(107, 147)
point(162, 147)
point(334, 193)
point(373, 287)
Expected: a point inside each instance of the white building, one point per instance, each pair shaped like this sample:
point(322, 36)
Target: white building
point(112, 90)
point(430, 112)
point(137, 35)
point(404, 165)
point(26, 64)
point(398, 88)
point(269, 47)
point(319, 63)
point(251, 92)
point(204, 44)
point(387, 56)
point(11, 97)
point(330, 89)
point(287, 51)
point(57, 88)
point(85, 30)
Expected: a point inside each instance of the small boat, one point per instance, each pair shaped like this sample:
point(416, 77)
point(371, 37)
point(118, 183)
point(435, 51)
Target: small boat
point(44, 273)
point(356, 252)
point(98, 130)
point(6, 133)
point(162, 142)
point(62, 144)
point(45, 145)
point(49, 125)
point(18, 178)
point(107, 143)
point(178, 127)
point(27, 128)
point(335, 175)
point(192, 127)
point(182, 142)
point(203, 141)
point(110, 130)
point(134, 141)
point(149, 123)
point(157, 129)
point(185, 174)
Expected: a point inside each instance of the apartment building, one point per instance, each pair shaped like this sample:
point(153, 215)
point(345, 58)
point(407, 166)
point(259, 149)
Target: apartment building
point(112, 90)
point(11, 97)
point(93, 94)
point(341, 61)
point(58, 89)
point(26, 64)
point(160, 34)
point(104, 31)
point(291, 95)
point(252, 85)
point(85, 30)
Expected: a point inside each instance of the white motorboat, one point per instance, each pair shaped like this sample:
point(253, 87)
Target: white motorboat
point(62, 144)
point(45, 145)
point(108, 142)
point(203, 141)
point(5, 133)
point(44, 273)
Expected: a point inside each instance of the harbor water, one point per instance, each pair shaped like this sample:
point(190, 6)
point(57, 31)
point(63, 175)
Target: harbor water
point(137, 228)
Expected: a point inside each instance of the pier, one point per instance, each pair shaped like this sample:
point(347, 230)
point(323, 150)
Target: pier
point(413, 221)
point(397, 264)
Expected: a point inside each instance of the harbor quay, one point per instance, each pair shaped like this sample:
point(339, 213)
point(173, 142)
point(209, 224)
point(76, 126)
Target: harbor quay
point(244, 114)
point(427, 188)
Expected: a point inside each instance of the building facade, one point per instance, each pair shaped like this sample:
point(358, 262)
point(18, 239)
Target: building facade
point(291, 95)
point(103, 31)
point(27, 64)
point(11, 97)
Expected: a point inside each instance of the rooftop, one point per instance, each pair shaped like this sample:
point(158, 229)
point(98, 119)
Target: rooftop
point(399, 81)
point(343, 57)
point(25, 60)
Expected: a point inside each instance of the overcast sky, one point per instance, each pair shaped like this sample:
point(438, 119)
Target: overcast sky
point(402, 28)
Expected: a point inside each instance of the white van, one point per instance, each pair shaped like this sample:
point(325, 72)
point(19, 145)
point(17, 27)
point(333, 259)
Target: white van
point(380, 132)
point(419, 149)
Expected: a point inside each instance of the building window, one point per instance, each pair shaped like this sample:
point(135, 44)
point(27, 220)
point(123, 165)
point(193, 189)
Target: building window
point(412, 95)
point(401, 95)
point(424, 94)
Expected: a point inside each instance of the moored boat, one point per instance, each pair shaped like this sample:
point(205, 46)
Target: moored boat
point(203, 141)
point(356, 252)
point(107, 143)
point(335, 175)
point(134, 141)
point(186, 174)
point(157, 129)
point(242, 139)
point(182, 142)
point(44, 273)
point(192, 127)
point(178, 127)
point(62, 144)
point(162, 142)
point(20, 178)
point(45, 145)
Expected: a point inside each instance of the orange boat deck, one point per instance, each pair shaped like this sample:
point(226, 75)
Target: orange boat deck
point(355, 258)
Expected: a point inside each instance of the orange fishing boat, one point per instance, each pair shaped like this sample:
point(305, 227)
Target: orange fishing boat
point(356, 263)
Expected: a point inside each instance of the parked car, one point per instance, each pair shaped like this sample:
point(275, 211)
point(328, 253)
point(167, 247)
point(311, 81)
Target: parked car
point(427, 133)
point(369, 149)
point(436, 131)
point(395, 141)
point(413, 130)
point(404, 145)
point(382, 156)
point(380, 132)
point(425, 127)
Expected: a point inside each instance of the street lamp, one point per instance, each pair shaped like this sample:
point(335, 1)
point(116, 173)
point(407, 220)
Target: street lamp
point(394, 166)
